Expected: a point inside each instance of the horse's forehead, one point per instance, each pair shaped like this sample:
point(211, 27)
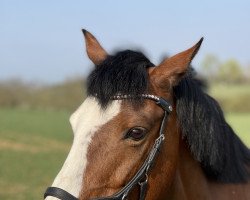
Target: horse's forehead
point(90, 115)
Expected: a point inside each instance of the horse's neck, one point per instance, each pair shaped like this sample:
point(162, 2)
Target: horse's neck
point(191, 183)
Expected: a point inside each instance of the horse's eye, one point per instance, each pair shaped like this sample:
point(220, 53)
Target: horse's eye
point(136, 133)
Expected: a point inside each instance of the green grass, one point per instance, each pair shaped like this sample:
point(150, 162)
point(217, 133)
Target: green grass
point(35, 143)
point(240, 122)
point(33, 146)
point(48, 124)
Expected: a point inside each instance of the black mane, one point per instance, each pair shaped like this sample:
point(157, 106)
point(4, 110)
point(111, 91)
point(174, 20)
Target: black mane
point(211, 140)
point(123, 73)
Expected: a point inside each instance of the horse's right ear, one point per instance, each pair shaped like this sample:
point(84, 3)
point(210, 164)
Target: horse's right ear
point(94, 50)
point(172, 69)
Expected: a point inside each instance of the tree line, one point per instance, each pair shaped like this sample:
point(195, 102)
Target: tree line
point(69, 94)
point(61, 96)
point(228, 71)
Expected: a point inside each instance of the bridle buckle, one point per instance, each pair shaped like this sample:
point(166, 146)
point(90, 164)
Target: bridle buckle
point(144, 181)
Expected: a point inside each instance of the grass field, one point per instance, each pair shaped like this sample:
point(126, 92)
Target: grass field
point(232, 97)
point(34, 145)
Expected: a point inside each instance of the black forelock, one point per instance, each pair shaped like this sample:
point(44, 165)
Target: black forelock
point(123, 73)
point(211, 140)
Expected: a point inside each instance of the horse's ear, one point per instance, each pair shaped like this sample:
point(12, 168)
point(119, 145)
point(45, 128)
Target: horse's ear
point(94, 50)
point(172, 69)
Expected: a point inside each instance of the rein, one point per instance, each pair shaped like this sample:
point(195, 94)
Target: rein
point(141, 177)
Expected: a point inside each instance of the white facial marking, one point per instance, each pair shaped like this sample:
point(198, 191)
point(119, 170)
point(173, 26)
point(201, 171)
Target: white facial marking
point(87, 119)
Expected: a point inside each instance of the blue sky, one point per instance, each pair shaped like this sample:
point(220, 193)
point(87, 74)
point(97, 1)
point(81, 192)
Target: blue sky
point(42, 40)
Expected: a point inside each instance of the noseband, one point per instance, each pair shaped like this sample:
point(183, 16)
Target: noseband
point(141, 177)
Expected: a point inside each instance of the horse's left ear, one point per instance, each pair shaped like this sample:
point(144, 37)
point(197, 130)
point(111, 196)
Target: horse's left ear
point(172, 69)
point(95, 51)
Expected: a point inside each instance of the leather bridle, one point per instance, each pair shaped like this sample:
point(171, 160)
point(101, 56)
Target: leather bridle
point(141, 177)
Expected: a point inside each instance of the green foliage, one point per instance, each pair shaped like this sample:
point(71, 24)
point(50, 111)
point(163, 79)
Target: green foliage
point(63, 96)
point(209, 66)
point(229, 83)
point(230, 72)
point(67, 95)
point(14, 93)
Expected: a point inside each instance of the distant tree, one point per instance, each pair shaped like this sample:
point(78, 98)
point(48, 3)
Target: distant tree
point(230, 72)
point(210, 65)
point(14, 92)
point(67, 95)
point(247, 73)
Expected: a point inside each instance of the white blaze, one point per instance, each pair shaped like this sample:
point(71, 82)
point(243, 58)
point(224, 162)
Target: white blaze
point(87, 119)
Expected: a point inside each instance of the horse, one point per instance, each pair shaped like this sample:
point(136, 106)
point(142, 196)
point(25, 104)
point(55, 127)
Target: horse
point(150, 133)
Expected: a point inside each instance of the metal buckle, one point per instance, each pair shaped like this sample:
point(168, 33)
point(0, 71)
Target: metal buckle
point(144, 181)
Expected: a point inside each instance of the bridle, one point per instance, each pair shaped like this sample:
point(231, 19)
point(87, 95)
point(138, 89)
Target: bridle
point(141, 177)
